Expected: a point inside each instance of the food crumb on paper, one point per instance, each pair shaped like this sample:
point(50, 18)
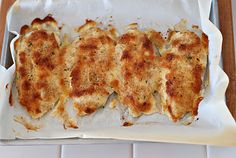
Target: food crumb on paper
point(11, 98)
point(61, 113)
point(195, 27)
point(7, 86)
point(126, 124)
point(28, 125)
point(114, 103)
point(16, 133)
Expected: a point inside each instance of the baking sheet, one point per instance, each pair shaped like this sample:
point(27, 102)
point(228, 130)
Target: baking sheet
point(215, 124)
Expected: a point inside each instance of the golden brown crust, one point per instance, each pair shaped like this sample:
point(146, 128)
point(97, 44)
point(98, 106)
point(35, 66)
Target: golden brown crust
point(156, 38)
point(47, 19)
point(24, 29)
point(36, 73)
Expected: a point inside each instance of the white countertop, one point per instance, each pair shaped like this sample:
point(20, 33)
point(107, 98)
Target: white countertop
point(136, 150)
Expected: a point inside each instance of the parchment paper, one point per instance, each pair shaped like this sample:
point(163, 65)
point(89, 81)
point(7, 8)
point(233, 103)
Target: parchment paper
point(215, 124)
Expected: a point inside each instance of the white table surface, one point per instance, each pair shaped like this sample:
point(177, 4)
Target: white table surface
point(136, 150)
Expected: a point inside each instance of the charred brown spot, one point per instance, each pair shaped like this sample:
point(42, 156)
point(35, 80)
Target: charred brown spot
point(88, 91)
point(10, 98)
point(170, 34)
point(138, 66)
point(170, 90)
point(138, 106)
point(88, 47)
point(61, 109)
point(169, 57)
point(22, 57)
point(6, 86)
point(171, 114)
point(157, 38)
point(36, 21)
point(26, 85)
point(89, 110)
point(205, 40)
point(195, 107)
point(106, 40)
point(37, 111)
point(183, 47)
point(127, 75)
point(24, 29)
point(126, 38)
point(113, 31)
point(75, 74)
point(197, 71)
point(126, 124)
point(38, 35)
point(71, 125)
point(48, 18)
point(145, 106)
point(195, 27)
point(89, 21)
point(36, 95)
point(88, 24)
point(126, 55)
point(62, 82)
point(22, 71)
point(146, 43)
point(115, 83)
point(191, 42)
point(43, 61)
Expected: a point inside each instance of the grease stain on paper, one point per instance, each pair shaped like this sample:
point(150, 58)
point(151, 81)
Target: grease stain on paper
point(27, 124)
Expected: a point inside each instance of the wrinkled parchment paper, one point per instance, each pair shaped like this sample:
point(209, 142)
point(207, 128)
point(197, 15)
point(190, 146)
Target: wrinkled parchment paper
point(215, 124)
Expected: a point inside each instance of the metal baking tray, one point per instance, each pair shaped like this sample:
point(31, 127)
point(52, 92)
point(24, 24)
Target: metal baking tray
point(6, 61)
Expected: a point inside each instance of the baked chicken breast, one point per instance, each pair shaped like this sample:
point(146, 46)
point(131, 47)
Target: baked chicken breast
point(90, 73)
point(183, 65)
point(138, 71)
point(36, 66)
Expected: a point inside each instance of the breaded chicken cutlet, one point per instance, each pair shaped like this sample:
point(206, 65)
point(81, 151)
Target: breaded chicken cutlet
point(90, 71)
point(37, 78)
point(183, 65)
point(138, 75)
